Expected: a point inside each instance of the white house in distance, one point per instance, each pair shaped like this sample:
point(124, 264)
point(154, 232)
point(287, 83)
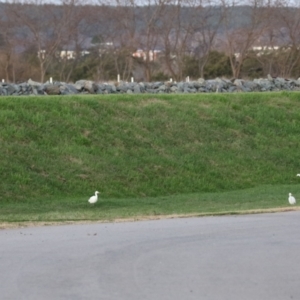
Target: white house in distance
point(153, 54)
point(41, 54)
point(71, 54)
point(67, 54)
point(260, 50)
point(64, 54)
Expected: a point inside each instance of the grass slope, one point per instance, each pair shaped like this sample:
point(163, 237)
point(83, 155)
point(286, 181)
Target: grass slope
point(146, 154)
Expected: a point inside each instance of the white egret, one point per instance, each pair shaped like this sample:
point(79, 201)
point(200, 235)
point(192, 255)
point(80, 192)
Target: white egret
point(298, 174)
point(292, 199)
point(94, 198)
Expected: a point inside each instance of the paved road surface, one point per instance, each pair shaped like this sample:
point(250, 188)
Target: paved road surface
point(254, 257)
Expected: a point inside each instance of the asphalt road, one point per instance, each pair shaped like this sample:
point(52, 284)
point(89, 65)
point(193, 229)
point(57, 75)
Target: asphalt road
point(255, 257)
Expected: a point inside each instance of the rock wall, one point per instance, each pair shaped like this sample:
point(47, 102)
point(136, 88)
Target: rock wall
point(200, 86)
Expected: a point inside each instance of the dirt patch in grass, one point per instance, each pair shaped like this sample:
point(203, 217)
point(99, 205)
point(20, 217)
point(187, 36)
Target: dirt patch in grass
point(150, 101)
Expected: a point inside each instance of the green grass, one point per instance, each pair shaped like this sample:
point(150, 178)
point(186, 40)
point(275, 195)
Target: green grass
point(147, 154)
point(77, 209)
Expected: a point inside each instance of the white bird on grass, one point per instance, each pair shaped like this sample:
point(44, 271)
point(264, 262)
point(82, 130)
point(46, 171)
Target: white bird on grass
point(298, 174)
point(292, 199)
point(94, 198)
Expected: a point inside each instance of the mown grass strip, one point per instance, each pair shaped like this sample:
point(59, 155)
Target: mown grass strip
point(77, 209)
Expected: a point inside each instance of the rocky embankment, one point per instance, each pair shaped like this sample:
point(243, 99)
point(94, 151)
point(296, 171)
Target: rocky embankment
point(217, 85)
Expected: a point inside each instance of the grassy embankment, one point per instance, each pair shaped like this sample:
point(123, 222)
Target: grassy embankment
point(147, 155)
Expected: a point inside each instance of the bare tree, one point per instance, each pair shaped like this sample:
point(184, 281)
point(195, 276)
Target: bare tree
point(277, 50)
point(287, 31)
point(10, 45)
point(252, 24)
point(46, 26)
point(189, 30)
point(7, 52)
point(123, 37)
point(174, 39)
point(206, 22)
point(150, 15)
point(73, 46)
point(115, 25)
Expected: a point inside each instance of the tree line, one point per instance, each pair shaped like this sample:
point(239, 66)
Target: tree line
point(150, 40)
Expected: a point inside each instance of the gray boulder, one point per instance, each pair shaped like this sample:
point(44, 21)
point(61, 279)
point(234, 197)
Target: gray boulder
point(51, 89)
point(137, 89)
point(33, 83)
point(67, 89)
point(86, 85)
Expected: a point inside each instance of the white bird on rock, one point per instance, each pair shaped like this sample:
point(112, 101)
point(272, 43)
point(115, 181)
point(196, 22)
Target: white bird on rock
point(94, 198)
point(292, 199)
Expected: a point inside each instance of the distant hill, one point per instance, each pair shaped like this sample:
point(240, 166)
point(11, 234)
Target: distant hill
point(104, 19)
